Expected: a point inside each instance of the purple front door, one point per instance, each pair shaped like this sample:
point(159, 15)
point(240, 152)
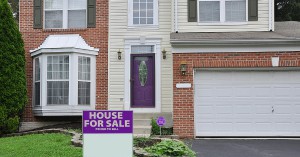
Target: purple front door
point(142, 80)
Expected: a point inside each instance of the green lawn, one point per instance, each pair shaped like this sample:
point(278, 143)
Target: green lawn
point(39, 145)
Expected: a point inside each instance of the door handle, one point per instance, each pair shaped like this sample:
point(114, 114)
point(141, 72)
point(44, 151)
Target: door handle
point(272, 109)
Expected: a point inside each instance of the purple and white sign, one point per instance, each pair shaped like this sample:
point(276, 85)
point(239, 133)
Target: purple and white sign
point(107, 122)
point(161, 121)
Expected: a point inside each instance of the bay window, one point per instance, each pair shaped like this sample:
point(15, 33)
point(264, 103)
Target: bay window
point(64, 82)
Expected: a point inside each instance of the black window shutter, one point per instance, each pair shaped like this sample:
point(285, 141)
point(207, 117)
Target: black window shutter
point(252, 10)
point(192, 10)
point(91, 13)
point(37, 14)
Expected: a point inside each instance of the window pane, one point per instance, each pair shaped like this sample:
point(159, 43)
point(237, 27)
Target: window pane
point(77, 19)
point(136, 21)
point(37, 93)
point(235, 10)
point(58, 92)
point(209, 11)
point(77, 4)
point(84, 68)
point(142, 49)
point(53, 19)
point(54, 4)
point(37, 70)
point(57, 67)
point(84, 94)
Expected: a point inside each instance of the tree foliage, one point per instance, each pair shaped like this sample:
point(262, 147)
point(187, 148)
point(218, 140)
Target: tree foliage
point(287, 10)
point(12, 71)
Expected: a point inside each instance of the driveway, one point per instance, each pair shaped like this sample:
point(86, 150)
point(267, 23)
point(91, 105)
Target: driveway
point(245, 148)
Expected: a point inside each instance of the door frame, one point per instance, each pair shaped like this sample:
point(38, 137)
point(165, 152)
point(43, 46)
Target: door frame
point(127, 85)
point(131, 73)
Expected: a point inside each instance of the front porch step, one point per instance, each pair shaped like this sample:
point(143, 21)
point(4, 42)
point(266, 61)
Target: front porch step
point(142, 130)
point(142, 122)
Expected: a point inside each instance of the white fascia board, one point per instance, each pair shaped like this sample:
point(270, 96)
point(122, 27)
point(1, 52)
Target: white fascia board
point(64, 50)
point(237, 42)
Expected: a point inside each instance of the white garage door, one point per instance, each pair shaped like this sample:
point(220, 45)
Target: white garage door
point(247, 103)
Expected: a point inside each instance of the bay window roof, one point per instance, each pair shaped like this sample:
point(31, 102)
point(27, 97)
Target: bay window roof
point(64, 43)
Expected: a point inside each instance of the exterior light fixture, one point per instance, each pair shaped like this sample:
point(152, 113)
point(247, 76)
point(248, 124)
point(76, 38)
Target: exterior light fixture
point(119, 55)
point(164, 52)
point(183, 68)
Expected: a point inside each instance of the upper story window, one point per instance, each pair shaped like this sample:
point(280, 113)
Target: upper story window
point(65, 13)
point(143, 12)
point(216, 11)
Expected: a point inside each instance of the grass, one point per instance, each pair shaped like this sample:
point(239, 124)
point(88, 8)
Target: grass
point(39, 145)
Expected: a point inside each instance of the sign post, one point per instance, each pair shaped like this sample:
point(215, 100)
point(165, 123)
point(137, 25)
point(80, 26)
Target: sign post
point(160, 122)
point(107, 133)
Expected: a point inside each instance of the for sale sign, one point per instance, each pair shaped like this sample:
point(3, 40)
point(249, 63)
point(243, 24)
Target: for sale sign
point(107, 122)
point(107, 133)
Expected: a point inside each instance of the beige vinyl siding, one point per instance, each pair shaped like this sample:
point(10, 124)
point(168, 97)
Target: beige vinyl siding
point(261, 25)
point(118, 32)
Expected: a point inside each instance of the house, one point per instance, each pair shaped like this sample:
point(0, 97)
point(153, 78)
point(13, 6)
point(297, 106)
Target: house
point(66, 45)
point(235, 71)
point(211, 68)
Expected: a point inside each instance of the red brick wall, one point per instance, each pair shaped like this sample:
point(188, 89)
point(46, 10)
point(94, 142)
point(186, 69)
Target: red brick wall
point(95, 37)
point(183, 106)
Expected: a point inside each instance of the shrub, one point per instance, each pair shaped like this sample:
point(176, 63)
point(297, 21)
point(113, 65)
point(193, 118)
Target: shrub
point(155, 130)
point(170, 148)
point(12, 71)
point(143, 142)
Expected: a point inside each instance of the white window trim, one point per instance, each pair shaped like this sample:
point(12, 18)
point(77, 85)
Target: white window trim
point(127, 93)
point(73, 108)
point(222, 15)
point(155, 16)
point(65, 15)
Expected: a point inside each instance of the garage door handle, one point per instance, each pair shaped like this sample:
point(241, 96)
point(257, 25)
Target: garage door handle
point(272, 109)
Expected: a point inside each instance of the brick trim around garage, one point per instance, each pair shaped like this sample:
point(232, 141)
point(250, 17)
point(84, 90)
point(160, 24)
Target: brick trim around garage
point(183, 107)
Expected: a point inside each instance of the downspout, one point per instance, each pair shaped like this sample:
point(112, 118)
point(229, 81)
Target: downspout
point(176, 16)
point(271, 16)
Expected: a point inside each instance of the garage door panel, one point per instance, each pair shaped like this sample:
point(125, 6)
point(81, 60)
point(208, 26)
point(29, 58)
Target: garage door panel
point(241, 103)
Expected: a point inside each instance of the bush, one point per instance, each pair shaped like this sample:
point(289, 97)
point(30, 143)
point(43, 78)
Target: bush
point(170, 148)
point(143, 142)
point(12, 71)
point(155, 130)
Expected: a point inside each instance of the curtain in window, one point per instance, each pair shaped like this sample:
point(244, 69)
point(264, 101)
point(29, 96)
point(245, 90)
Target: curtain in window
point(209, 11)
point(65, 13)
point(77, 14)
point(235, 10)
